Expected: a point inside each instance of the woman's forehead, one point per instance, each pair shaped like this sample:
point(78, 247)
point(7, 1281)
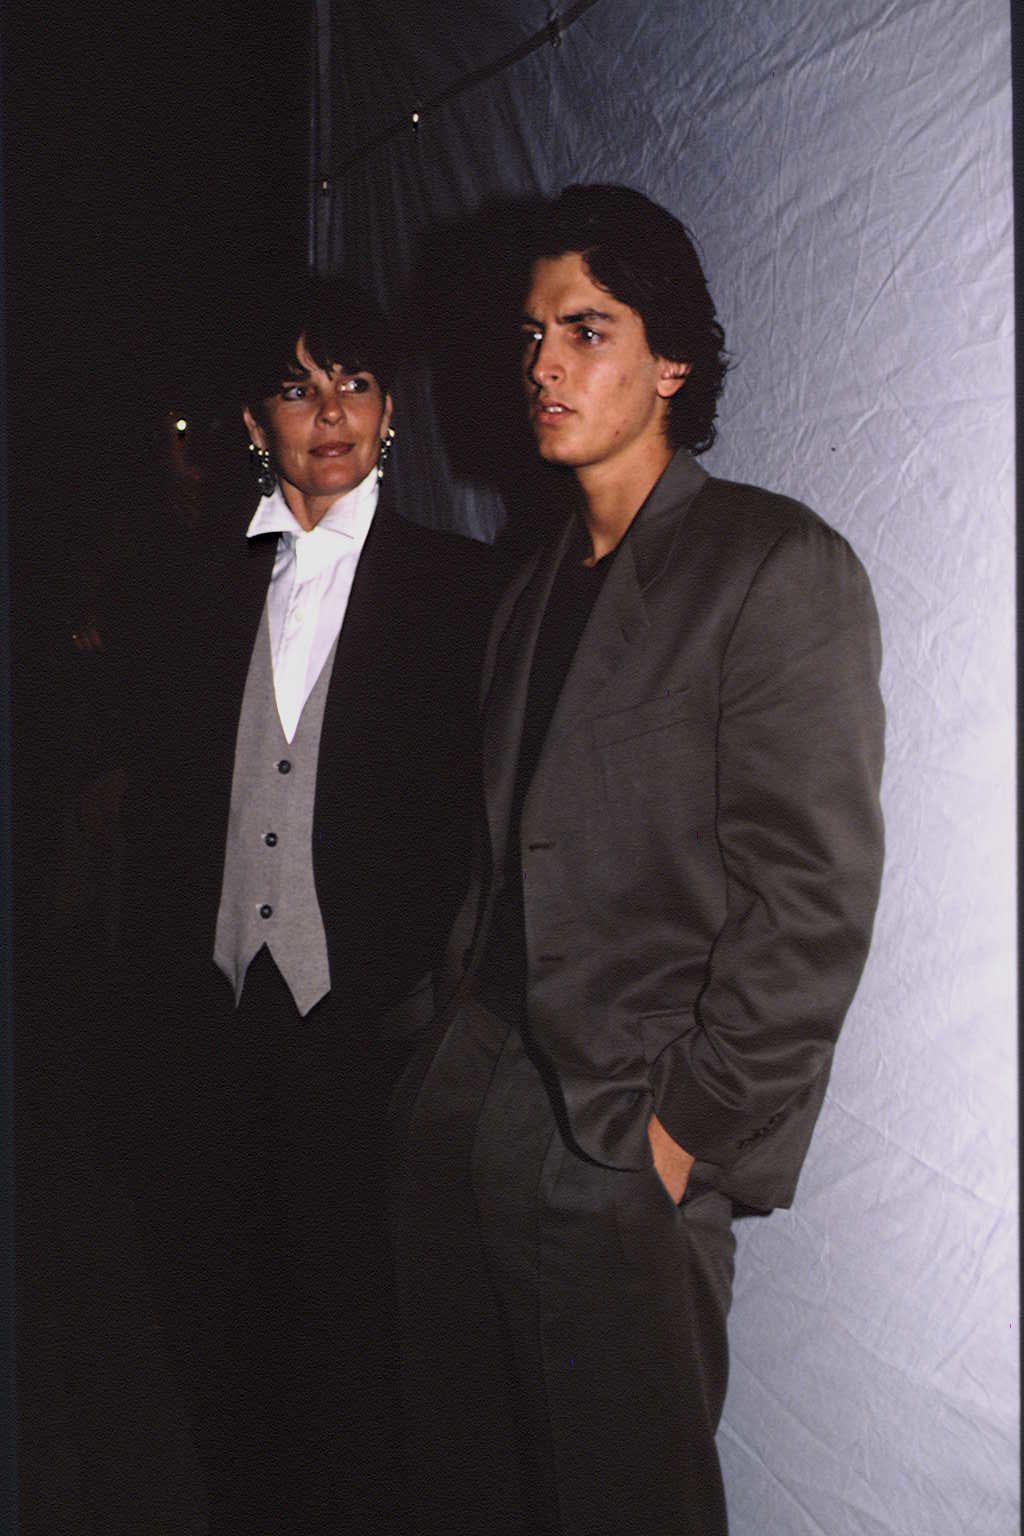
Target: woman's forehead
point(305, 363)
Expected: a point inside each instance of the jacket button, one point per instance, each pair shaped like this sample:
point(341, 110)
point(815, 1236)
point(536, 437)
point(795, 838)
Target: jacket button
point(284, 766)
point(270, 838)
point(266, 910)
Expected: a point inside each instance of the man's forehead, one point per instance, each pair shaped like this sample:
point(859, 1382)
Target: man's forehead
point(564, 284)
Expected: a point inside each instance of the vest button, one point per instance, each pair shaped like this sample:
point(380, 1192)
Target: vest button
point(266, 910)
point(270, 838)
point(284, 766)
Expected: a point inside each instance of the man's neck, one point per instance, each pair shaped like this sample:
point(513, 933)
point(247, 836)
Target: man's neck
point(612, 496)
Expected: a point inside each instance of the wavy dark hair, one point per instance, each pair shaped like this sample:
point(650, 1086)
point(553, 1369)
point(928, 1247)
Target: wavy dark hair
point(645, 258)
point(342, 325)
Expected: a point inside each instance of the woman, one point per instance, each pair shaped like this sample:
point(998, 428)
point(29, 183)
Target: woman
point(294, 862)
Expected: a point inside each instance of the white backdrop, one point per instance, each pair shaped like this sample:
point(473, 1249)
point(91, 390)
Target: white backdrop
point(845, 167)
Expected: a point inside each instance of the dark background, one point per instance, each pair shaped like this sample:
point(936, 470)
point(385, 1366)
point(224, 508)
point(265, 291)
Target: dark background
point(153, 153)
point(155, 156)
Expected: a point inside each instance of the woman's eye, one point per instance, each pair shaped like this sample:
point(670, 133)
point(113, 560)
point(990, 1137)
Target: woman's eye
point(357, 385)
point(293, 391)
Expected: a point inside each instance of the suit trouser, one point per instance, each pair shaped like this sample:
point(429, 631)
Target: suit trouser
point(563, 1334)
point(268, 1228)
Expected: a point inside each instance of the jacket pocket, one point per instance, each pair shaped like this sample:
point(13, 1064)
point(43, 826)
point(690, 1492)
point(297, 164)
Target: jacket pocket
point(638, 719)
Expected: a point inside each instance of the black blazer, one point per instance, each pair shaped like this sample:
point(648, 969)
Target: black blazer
point(701, 843)
point(397, 764)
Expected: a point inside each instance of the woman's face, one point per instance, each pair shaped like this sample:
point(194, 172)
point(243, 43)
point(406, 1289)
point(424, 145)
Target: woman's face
point(324, 431)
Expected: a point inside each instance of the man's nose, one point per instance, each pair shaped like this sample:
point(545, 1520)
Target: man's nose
point(544, 365)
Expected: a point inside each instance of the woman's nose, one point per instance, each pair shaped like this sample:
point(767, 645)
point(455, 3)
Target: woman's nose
point(331, 407)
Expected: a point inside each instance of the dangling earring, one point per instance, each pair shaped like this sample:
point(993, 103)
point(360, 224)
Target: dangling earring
point(262, 470)
point(386, 444)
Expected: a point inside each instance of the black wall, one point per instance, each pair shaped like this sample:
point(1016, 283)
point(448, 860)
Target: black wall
point(156, 156)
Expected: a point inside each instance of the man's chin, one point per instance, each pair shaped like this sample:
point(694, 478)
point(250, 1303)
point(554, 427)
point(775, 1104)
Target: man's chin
point(555, 453)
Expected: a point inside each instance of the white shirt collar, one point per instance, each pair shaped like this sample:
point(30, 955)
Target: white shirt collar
point(350, 515)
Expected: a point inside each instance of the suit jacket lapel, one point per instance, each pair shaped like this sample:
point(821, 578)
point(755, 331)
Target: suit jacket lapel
point(234, 607)
point(620, 620)
point(373, 643)
point(364, 616)
point(259, 564)
point(506, 679)
point(658, 524)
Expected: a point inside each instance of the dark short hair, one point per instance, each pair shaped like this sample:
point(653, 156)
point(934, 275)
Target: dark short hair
point(645, 258)
point(342, 325)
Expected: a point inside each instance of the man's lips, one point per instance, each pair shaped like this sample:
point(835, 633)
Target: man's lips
point(551, 410)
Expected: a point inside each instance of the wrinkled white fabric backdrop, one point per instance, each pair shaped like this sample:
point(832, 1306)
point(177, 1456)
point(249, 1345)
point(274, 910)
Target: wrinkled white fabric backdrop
point(846, 169)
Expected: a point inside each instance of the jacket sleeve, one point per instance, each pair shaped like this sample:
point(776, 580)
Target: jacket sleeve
point(799, 829)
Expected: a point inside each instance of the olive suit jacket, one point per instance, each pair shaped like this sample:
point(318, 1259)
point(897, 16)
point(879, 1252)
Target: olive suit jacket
point(701, 842)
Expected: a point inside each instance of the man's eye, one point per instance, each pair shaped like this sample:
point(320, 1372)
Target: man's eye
point(532, 338)
point(586, 333)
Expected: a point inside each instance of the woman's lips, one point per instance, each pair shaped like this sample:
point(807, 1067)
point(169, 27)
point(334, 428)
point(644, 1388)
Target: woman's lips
point(331, 450)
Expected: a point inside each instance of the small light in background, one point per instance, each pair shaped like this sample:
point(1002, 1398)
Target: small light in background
point(181, 425)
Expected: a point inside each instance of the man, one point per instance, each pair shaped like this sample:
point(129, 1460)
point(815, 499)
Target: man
point(296, 849)
point(668, 916)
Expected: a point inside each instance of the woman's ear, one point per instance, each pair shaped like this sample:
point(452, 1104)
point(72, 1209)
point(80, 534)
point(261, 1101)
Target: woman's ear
point(255, 431)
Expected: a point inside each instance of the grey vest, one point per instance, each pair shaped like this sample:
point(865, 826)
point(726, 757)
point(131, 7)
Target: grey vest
point(269, 895)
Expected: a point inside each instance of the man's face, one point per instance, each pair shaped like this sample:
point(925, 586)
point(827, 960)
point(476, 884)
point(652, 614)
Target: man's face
point(324, 433)
point(597, 394)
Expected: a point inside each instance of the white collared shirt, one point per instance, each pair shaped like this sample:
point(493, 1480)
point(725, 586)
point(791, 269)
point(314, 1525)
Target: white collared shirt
point(310, 587)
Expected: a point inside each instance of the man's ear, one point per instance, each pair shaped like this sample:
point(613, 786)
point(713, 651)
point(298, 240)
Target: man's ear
point(671, 377)
point(252, 426)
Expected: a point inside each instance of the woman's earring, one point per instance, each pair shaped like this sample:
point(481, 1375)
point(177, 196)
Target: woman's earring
point(262, 470)
point(386, 443)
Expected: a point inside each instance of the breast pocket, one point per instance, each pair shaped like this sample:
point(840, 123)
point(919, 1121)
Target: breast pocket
point(643, 719)
point(657, 754)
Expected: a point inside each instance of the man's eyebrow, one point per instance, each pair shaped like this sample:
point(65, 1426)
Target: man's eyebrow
point(574, 318)
point(584, 314)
